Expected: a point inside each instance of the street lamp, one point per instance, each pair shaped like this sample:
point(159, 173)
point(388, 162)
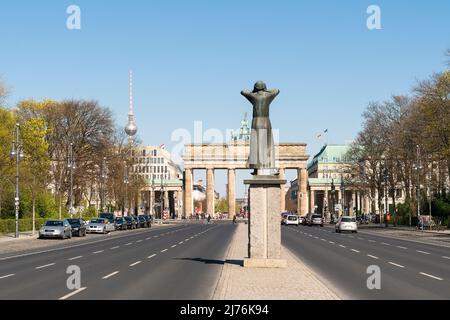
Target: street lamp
point(17, 153)
point(333, 192)
point(71, 167)
point(326, 209)
point(161, 199)
point(126, 182)
point(386, 176)
point(418, 167)
point(103, 179)
point(343, 193)
point(152, 197)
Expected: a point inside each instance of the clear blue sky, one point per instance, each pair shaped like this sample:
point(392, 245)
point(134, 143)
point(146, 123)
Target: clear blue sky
point(192, 58)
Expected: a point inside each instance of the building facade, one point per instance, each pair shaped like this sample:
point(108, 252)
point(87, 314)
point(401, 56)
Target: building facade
point(164, 181)
point(333, 190)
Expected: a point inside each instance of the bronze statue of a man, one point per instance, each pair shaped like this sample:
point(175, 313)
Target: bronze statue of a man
point(262, 148)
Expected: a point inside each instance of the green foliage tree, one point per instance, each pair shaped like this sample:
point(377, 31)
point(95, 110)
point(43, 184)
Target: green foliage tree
point(7, 121)
point(37, 161)
point(221, 205)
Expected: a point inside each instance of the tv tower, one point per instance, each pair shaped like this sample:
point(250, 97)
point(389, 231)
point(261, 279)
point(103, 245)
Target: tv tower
point(131, 128)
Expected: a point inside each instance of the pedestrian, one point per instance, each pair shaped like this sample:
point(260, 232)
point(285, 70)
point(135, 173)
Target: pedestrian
point(209, 219)
point(234, 220)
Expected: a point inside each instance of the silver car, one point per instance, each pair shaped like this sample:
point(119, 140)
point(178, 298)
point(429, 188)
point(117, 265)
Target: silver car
point(315, 220)
point(346, 223)
point(100, 225)
point(56, 229)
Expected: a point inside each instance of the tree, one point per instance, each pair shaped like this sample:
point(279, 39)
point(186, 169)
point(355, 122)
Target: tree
point(37, 161)
point(7, 120)
point(222, 205)
point(3, 92)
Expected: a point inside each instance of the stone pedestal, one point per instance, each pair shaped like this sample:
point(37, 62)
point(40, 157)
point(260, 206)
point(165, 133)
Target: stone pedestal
point(264, 248)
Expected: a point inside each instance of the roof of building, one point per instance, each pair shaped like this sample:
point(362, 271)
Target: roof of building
point(330, 154)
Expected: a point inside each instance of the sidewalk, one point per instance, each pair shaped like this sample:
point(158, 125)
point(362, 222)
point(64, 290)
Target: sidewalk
point(441, 238)
point(296, 282)
point(404, 228)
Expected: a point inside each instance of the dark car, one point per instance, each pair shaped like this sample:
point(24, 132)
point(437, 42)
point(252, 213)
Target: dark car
point(109, 216)
point(148, 219)
point(136, 220)
point(131, 223)
point(141, 221)
point(78, 227)
point(120, 224)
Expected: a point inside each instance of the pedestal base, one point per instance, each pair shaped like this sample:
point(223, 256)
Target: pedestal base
point(265, 263)
point(264, 249)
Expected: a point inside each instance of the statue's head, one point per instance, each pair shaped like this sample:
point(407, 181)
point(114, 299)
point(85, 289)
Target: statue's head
point(260, 86)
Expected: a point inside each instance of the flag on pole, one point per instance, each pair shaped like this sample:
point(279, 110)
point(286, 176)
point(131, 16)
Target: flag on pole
point(163, 146)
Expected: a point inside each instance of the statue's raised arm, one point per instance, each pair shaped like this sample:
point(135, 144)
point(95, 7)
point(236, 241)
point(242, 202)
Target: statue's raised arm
point(248, 95)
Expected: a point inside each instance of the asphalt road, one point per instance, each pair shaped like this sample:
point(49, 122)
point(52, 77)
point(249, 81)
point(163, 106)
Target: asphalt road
point(173, 263)
point(409, 270)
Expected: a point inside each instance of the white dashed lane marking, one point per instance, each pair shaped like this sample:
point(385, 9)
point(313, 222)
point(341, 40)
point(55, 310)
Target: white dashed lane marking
point(110, 275)
point(445, 257)
point(135, 264)
point(163, 250)
point(430, 276)
point(45, 266)
point(97, 252)
point(152, 256)
point(356, 251)
point(396, 264)
point(424, 252)
point(75, 258)
point(373, 257)
point(7, 276)
point(404, 248)
point(72, 294)
point(114, 248)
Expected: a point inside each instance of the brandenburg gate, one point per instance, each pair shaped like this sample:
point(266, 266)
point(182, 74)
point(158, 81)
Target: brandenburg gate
point(233, 156)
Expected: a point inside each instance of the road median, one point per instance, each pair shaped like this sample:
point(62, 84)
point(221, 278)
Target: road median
point(296, 282)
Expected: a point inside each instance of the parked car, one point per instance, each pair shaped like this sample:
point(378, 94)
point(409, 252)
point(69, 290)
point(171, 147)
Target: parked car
point(131, 223)
point(141, 221)
point(111, 217)
point(346, 223)
point(138, 223)
point(78, 227)
point(291, 220)
point(120, 224)
point(100, 225)
point(315, 220)
point(56, 229)
point(148, 219)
